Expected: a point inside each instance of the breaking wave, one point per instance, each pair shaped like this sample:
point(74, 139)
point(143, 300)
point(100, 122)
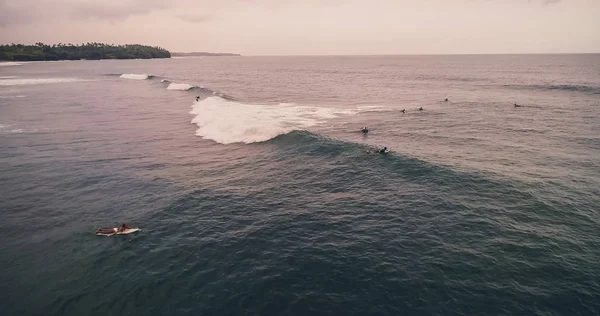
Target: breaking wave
point(179, 86)
point(227, 122)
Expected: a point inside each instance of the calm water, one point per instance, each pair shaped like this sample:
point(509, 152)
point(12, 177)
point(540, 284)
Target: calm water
point(263, 198)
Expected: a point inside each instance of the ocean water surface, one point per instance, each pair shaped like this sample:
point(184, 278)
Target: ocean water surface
point(264, 198)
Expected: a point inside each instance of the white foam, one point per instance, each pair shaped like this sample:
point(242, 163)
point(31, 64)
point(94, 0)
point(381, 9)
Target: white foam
point(30, 81)
point(135, 76)
point(8, 77)
point(372, 108)
point(229, 122)
point(10, 63)
point(179, 86)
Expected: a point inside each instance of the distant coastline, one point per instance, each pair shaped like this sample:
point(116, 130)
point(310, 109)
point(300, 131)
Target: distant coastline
point(93, 51)
point(202, 54)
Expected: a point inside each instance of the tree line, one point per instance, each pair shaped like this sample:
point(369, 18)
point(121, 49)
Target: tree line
point(94, 51)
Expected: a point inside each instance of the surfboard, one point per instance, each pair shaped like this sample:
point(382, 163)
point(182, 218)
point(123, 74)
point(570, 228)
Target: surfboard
point(125, 232)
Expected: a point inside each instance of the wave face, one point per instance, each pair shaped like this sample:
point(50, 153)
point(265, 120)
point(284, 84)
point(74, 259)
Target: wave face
point(33, 81)
point(227, 122)
point(180, 86)
point(135, 76)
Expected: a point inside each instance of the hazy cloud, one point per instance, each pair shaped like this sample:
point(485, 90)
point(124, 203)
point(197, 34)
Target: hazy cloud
point(192, 18)
point(34, 11)
point(10, 14)
point(113, 11)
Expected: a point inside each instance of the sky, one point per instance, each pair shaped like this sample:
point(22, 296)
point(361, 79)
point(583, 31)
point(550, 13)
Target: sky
point(312, 27)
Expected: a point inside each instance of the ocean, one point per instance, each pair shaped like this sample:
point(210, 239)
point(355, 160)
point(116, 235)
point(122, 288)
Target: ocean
point(264, 198)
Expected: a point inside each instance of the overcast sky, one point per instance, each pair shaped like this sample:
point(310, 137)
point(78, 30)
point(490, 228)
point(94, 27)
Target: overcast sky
point(312, 27)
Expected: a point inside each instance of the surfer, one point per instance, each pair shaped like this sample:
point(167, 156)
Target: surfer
point(107, 231)
point(123, 227)
point(403, 111)
point(517, 106)
point(421, 109)
point(446, 100)
point(364, 130)
point(383, 150)
point(113, 230)
point(197, 99)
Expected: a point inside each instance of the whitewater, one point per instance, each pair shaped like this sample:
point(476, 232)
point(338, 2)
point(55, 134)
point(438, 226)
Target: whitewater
point(229, 122)
point(35, 81)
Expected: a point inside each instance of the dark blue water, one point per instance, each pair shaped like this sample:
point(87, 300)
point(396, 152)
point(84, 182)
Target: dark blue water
point(263, 197)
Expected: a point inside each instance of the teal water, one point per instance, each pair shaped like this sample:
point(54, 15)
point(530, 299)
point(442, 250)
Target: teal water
point(263, 197)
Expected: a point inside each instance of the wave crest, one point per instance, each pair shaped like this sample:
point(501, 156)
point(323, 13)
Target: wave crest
point(135, 76)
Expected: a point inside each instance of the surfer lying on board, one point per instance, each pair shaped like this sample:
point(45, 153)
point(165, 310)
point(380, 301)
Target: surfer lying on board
point(384, 150)
point(113, 230)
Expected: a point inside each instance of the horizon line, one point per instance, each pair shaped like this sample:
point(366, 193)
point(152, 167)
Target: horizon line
point(364, 55)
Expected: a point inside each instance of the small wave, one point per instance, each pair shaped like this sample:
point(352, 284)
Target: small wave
point(372, 108)
point(579, 88)
point(227, 122)
point(565, 87)
point(12, 96)
point(180, 86)
point(8, 77)
point(30, 81)
point(15, 129)
point(135, 76)
point(10, 63)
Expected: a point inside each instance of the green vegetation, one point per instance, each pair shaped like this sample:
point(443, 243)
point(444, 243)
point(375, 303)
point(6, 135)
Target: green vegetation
point(40, 51)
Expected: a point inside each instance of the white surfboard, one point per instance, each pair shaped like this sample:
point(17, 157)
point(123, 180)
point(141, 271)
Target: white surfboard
point(125, 232)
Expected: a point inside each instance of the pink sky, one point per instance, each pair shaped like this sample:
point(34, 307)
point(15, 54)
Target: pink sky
point(312, 27)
